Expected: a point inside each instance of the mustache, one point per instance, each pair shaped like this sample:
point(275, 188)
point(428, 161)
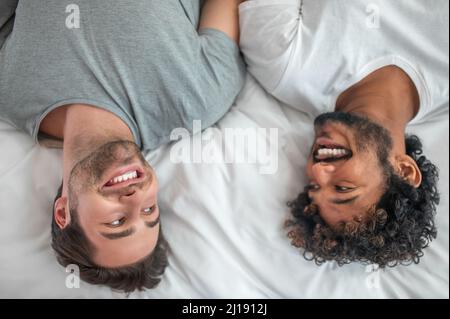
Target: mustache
point(89, 172)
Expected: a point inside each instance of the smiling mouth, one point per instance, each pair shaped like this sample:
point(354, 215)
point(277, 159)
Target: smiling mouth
point(125, 178)
point(331, 153)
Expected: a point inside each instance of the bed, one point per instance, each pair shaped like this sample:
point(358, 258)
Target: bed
point(224, 222)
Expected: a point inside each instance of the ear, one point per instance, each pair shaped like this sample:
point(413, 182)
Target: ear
point(61, 212)
point(407, 168)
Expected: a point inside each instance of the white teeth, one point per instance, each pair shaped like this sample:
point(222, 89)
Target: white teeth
point(131, 175)
point(331, 152)
point(123, 178)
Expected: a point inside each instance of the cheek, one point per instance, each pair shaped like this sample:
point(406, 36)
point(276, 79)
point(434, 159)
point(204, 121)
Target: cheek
point(154, 188)
point(91, 209)
point(309, 167)
point(82, 181)
point(363, 166)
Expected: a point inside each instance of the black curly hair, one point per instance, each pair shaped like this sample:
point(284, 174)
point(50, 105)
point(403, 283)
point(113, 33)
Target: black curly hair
point(394, 231)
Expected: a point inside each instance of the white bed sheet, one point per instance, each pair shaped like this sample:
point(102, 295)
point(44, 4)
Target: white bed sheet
point(224, 222)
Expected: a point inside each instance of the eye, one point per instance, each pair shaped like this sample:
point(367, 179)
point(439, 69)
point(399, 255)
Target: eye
point(343, 189)
point(150, 210)
point(117, 223)
point(312, 188)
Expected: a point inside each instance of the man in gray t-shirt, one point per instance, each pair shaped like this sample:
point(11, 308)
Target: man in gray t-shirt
point(111, 79)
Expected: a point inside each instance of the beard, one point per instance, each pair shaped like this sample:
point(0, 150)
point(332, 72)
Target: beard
point(368, 135)
point(89, 173)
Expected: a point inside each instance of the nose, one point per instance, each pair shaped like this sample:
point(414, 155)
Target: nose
point(130, 195)
point(322, 172)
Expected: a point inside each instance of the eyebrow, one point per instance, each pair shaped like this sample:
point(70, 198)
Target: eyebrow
point(115, 236)
point(152, 224)
point(129, 232)
point(344, 201)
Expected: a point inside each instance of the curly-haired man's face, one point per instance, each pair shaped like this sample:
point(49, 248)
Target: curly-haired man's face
point(114, 194)
point(346, 167)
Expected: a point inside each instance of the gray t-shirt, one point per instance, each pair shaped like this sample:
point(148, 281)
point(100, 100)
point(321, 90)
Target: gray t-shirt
point(7, 9)
point(143, 60)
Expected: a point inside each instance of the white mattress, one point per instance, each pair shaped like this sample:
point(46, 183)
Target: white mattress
point(224, 222)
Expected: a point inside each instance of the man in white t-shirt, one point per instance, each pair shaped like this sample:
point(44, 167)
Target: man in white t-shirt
point(363, 70)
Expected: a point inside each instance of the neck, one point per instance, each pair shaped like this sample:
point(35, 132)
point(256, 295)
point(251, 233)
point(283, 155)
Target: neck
point(389, 98)
point(85, 129)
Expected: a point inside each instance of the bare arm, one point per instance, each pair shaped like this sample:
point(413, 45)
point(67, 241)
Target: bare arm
point(222, 15)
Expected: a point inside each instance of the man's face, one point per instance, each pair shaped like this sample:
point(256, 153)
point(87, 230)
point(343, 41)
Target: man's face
point(114, 191)
point(346, 167)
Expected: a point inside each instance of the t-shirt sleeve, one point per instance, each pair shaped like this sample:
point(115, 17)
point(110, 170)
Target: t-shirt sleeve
point(211, 74)
point(7, 11)
point(269, 35)
point(222, 63)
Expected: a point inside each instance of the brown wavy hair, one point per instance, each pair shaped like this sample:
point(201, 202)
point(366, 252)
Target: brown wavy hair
point(73, 247)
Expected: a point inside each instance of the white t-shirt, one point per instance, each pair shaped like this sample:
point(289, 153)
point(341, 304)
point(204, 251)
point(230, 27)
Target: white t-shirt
point(306, 53)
